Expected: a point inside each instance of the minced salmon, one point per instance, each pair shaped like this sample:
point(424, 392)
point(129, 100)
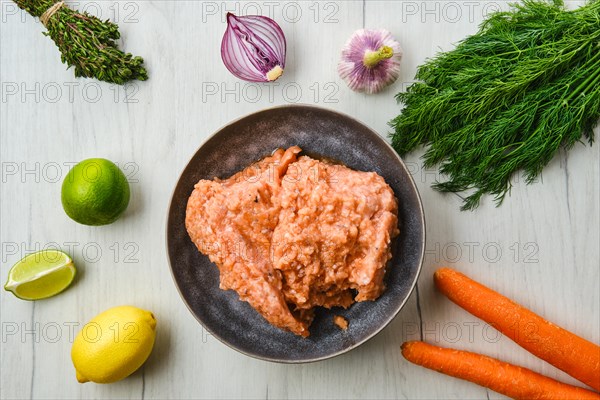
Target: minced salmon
point(341, 322)
point(291, 233)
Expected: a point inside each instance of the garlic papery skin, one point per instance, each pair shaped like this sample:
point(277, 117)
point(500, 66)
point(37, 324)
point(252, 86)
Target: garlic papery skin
point(370, 60)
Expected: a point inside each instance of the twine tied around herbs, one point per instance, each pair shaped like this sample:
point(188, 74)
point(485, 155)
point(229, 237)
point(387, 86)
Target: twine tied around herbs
point(85, 42)
point(45, 17)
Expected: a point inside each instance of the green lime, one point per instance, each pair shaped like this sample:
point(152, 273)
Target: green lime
point(95, 192)
point(40, 275)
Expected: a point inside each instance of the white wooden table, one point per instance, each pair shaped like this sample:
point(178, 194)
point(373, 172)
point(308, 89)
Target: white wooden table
point(540, 248)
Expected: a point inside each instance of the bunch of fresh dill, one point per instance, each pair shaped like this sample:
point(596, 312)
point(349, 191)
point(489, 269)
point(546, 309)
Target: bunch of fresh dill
point(85, 42)
point(505, 99)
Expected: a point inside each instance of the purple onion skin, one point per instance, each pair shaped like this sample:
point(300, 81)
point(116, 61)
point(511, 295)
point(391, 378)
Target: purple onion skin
point(253, 48)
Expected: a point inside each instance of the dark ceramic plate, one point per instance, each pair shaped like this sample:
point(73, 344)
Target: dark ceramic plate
point(319, 132)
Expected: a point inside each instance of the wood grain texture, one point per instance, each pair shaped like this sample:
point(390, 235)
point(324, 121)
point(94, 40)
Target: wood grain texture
point(540, 248)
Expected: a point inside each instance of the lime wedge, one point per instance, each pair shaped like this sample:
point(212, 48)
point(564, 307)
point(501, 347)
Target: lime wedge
point(40, 275)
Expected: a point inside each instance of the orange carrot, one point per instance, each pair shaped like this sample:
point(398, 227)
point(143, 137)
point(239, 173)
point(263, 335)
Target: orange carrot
point(501, 377)
point(561, 348)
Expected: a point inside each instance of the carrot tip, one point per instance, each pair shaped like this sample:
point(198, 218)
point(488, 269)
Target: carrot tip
point(439, 274)
point(407, 348)
point(443, 270)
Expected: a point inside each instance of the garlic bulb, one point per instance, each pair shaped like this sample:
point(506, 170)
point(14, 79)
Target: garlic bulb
point(370, 60)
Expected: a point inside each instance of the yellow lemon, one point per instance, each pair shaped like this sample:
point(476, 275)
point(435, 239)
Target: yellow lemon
point(113, 345)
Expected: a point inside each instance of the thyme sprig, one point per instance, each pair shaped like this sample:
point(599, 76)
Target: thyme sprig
point(87, 44)
point(505, 99)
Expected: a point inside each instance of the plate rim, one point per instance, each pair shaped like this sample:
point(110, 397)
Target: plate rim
point(388, 319)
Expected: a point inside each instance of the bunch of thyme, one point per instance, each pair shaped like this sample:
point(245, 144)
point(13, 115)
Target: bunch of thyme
point(85, 42)
point(505, 99)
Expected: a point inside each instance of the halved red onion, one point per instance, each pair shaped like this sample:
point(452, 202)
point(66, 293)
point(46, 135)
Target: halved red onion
point(253, 48)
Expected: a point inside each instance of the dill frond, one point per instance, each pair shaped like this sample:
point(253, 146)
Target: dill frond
point(505, 99)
